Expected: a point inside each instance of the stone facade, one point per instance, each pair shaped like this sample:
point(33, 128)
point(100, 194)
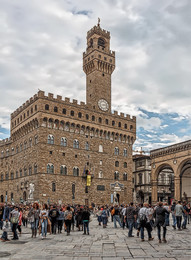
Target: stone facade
point(175, 162)
point(59, 145)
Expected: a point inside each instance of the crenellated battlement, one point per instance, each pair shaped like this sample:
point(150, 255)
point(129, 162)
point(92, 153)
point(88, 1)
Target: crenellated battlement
point(98, 30)
point(5, 141)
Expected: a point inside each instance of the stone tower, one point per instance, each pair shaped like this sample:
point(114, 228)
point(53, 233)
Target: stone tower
point(98, 64)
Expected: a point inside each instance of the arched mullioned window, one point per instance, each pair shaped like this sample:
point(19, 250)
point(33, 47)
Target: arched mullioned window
point(50, 139)
point(46, 107)
point(116, 175)
point(75, 171)
point(80, 115)
point(63, 170)
point(116, 164)
point(50, 168)
point(87, 146)
point(125, 152)
point(30, 170)
point(101, 42)
point(63, 141)
point(116, 151)
point(76, 144)
point(125, 176)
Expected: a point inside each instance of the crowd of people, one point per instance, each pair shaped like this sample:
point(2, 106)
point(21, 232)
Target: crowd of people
point(54, 219)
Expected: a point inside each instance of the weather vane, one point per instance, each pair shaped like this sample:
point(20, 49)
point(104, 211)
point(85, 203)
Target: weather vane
point(98, 21)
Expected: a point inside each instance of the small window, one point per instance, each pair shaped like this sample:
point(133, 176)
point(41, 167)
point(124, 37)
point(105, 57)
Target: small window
point(125, 176)
point(100, 120)
point(30, 171)
point(80, 115)
point(35, 169)
point(35, 107)
point(7, 176)
point(125, 152)
point(27, 113)
point(87, 116)
point(116, 164)
point(119, 124)
point(125, 165)
point(131, 127)
point(11, 196)
point(100, 174)
point(93, 118)
point(113, 123)
point(36, 139)
point(46, 107)
point(64, 111)
point(25, 171)
point(116, 151)
point(55, 109)
point(21, 173)
point(100, 148)
point(116, 176)
point(87, 146)
point(72, 113)
point(12, 175)
point(106, 121)
point(53, 186)
point(17, 174)
point(31, 110)
point(125, 126)
point(76, 144)
point(75, 171)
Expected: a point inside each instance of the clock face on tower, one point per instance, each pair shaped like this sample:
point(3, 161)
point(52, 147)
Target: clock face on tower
point(103, 105)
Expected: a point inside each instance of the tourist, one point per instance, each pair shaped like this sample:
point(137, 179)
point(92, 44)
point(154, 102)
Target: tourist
point(20, 221)
point(116, 217)
point(53, 215)
point(185, 215)
point(68, 219)
point(14, 217)
point(159, 215)
point(5, 229)
point(173, 214)
point(144, 221)
point(179, 210)
point(104, 216)
point(33, 217)
point(1, 216)
point(86, 219)
point(98, 214)
point(130, 215)
point(44, 221)
point(60, 220)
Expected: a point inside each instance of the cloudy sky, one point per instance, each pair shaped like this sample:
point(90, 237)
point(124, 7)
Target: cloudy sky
point(42, 43)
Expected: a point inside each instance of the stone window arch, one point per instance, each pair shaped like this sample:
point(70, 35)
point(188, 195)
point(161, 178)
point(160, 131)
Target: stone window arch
point(63, 170)
point(72, 113)
point(93, 118)
point(125, 164)
point(101, 42)
point(125, 126)
point(50, 139)
point(55, 109)
point(46, 107)
point(100, 120)
point(116, 164)
point(116, 175)
point(75, 171)
point(125, 176)
point(50, 168)
point(76, 144)
point(35, 168)
point(64, 111)
point(116, 151)
point(80, 115)
point(63, 141)
point(87, 146)
point(119, 124)
point(100, 148)
point(100, 174)
point(125, 152)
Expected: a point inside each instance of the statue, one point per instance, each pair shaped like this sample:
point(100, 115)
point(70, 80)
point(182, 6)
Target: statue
point(98, 21)
point(31, 190)
point(115, 200)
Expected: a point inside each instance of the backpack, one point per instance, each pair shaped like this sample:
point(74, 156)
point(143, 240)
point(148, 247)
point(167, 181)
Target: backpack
point(113, 211)
point(69, 216)
point(143, 219)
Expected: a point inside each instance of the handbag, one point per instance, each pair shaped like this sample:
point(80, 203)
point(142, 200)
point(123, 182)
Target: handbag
point(14, 220)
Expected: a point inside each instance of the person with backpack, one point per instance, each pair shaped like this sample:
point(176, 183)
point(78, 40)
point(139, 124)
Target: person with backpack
point(144, 222)
point(159, 215)
point(53, 214)
point(116, 217)
point(68, 219)
point(104, 216)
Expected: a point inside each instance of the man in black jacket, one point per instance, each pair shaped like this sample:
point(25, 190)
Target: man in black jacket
point(159, 215)
point(86, 219)
point(53, 214)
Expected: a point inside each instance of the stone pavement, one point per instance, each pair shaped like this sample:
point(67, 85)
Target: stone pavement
point(101, 244)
